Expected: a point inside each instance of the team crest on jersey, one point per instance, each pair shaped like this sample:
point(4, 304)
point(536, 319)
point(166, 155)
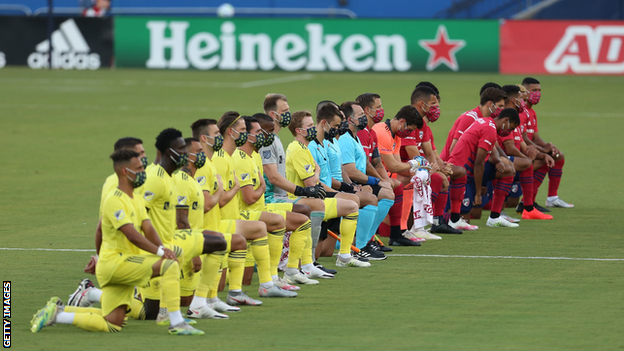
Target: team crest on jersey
point(466, 202)
point(308, 168)
point(244, 176)
point(195, 205)
point(201, 180)
point(166, 206)
point(148, 195)
point(181, 200)
point(119, 215)
point(266, 154)
point(420, 134)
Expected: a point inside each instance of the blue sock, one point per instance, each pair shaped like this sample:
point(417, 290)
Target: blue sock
point(365, 222)
point(383, 206)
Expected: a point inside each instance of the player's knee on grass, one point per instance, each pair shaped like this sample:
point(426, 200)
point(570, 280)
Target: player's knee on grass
point(303, 209)
point(117, 316)
point(561, 157)
point(213, 243)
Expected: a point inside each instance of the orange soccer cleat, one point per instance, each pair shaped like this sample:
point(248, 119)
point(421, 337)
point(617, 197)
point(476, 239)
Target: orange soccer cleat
point(535, 214)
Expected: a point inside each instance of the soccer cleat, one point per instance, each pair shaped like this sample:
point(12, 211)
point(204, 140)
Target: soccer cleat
point(402, 241)
point(558, 203)
point(421, 233)
point(351, 262)
point(535, 214)
point(317, 273)
point(444, 228)
point(509, 219)
point(413, 237)
point(500, 222)
point(241, 299)
point(381, 247)
point(540, 208)
point(326, 270)
point(184, 329)
point(284, 285)
point(163, 319)
point(362, 256)
point(222, 307)
point(205, 312)
point(462, 225)
point(299, 278)
point(46, 316)
point(275, 291)
point(370, 254)
point(520, 208)
point(80, 297)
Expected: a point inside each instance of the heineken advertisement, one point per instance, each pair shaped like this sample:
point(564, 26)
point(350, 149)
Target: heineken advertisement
point(306, 44)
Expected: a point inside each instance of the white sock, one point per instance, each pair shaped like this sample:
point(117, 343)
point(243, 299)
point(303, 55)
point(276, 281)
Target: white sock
point(94, 295)
point(235, 290)
point(198, 302)
point(65, 317)
point(267, 285)
point(274, 277)
point(213, 300)
point(291, 271)
point(345, 257)
point(175, 318)
point(552, 198)
point(307, 267)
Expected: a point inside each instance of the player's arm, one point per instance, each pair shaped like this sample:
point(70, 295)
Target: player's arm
point(355, 174)
point(210, 201)
point(138, 240)
point(98, 237)
point(251, 196)
point(479, 166)
point(452, 145)
point(372, 170)
point(393, 163)
point(511, 149)
point(270, 170)
point(229, 195)
point(500, 150)
point(345, 176)
point(150, 232)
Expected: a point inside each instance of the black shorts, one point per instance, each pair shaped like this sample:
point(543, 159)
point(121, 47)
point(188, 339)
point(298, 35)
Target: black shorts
point(331, 195)
point(376, 189)
point(333, 225)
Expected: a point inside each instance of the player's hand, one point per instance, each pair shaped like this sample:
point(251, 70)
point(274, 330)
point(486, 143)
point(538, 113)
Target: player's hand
point(219, 181)
point(445, 182)
point(550, 162)
point(169, 255)
point(532, 153)
point(554, 151)
point(448, 168)
point(236, 183)
point(500, 167)
point(90, 268)
point(321, 193)
point(435, 167)
point(385, 184)
point(548, 148)
point(197, 264)
point(262, 182)
point(477, 200)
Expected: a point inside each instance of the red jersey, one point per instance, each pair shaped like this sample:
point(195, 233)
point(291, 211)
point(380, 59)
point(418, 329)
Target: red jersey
point(368, 138)
point(462, 123)
point(481, 134)
point(531, 124)
point(416, 137)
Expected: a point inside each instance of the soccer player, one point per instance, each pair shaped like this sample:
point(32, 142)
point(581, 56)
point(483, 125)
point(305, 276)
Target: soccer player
point(131, 253)
point(302, 170)
point(389, 135)
point(554, 173)
point(475, 144)
point(277, 115)
point(354, 162)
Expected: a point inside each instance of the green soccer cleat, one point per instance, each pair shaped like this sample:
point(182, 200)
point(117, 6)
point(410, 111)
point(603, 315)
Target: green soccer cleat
point(46, 316)
point(184, 329)
point(164, 320)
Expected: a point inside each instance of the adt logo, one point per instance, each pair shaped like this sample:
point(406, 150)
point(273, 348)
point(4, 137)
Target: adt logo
point(584, 49)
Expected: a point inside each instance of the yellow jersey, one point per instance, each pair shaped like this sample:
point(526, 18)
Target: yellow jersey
point(299, 164)
point(118, 210)
point(112, 182)
point(207, 179)
point(223, 163)
point(191, 197)
point(161, 198)
point(247, 173)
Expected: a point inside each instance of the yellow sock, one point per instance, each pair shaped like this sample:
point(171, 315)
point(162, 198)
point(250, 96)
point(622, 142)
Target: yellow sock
point(298, 240)
point(306, 258)
point(236, 265)
point(347, 232)
point(214, 287)
point(249, 257)
point(74, 309)
point(170, 272)
point(210, 270)
point(137, 310)
point(94, 322)
point(260, 250)
point(276, 243)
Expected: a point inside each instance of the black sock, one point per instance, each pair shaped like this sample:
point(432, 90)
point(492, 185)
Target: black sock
point(395, 232)
point(529, 208)
point(494, 215)
point(455, 217)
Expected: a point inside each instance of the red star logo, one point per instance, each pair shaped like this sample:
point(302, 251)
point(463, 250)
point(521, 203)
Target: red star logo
point(442, 50)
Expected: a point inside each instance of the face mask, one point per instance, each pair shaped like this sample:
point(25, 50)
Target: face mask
point(362, 122)
point(139, 178)
point(311, 133)
point(242, 138)
point(269, 138)
point(520, 105)
point(218, 143)
point(495, 113)
point(534, 97)
point(144, 161)
point(344, 127)
point(182, 159)
point(504, 132)
point(259, 140)
point(331, 133)
point(433, 114)
point(200, 159)
point(378, 116)
point(403, 133)
point(285, 121)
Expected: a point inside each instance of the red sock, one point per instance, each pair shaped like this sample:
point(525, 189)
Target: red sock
point(458, 188)
point(408, 195)
point(502, 188)
point(554, 177)
point(440, 203)
point(397, 208)
point(538, 178)
point(384, 230)
point(436, 187)
point(526, 183)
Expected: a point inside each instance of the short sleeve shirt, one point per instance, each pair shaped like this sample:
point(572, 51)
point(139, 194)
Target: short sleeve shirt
point(299, 164)
point(481, 134)
point(319, 153)
point(352, 151)
point(388, 143)
point(247, 173)
point(274, 154)
point(335, 158)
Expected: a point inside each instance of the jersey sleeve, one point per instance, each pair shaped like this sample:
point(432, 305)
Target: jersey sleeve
point(244, 170)
point(348, 150)
point(488, 139)
point(303, 162)
point(184, 189)
point(385, 143)
point(143, 216)
point(463, 124)
point(116, 212)
point(268, 155)
point(411, 139)
point(153, 185)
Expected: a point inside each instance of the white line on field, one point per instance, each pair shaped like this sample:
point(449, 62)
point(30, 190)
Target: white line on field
point(513, 257)
point(36, 249)
point(259, 83)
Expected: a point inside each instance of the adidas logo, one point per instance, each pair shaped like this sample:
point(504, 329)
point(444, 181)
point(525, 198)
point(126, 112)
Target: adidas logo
point(70, 50)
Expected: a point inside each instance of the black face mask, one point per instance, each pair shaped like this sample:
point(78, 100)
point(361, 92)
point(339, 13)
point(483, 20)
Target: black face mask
point(344, 127)
point(362, 122)
point(331, 133)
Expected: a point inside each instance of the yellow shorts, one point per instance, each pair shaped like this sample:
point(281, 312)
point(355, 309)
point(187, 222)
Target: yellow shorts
point(281, 209)
point(331, 208)
point(192, 243)
point(151, 290)
point(250, 215)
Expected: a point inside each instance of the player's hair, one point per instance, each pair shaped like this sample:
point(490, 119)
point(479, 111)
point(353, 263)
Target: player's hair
point(270, 102)
point(529, 81)
point(410, 114)
point(522, 88)
point(488, 85)
point(510, 113)
point(297, 120)
point(422, 93)
point(327, 113)
point(492, 94)
point(347, 108)
point(166, 137)
point(367, 99)
point(511, 90)
point(249, 120)
point(323, 103)
point(227, 120)
point(263, 118)
point(127, 143)
point(123, 156)
point(200, 127)
point(430, 85)
point(190, 141)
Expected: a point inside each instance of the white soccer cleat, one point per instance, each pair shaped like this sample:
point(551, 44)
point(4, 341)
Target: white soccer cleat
point(205, 312)
point(411, 235)
point(80, 297)
point(352, 262)
point(424, 234)
point(284, 285)
point(500, 222)
point(299, 278)
point(317, 273)
point(275, 291)
point(462, 225)
point(558, 203)
point(222, 307)
point(509, 219)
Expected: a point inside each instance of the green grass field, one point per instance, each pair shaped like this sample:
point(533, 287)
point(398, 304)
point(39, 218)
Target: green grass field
point(58, 128)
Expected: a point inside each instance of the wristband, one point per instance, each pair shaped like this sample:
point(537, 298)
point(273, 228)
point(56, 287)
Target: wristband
point(347, 188)
point(161, 251)
point(372, 181)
